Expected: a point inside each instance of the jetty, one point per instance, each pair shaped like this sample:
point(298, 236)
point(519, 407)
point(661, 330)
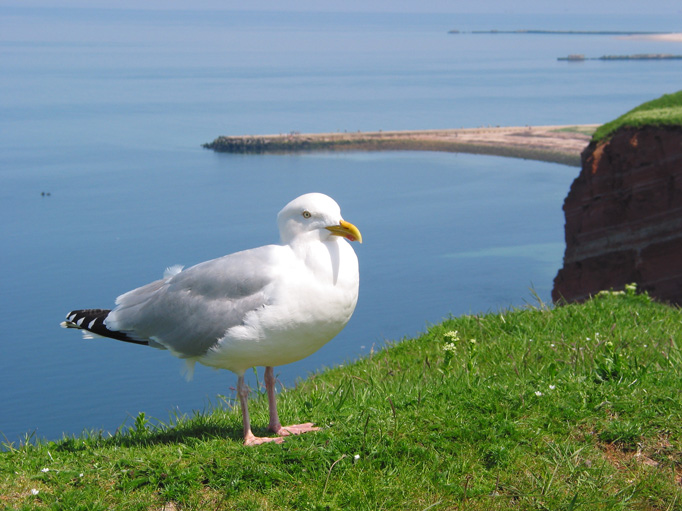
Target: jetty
point(562, 32)
point(558, 144)
point(636, 56)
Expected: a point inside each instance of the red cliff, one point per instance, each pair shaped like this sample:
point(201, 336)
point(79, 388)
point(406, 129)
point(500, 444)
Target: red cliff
point(624, 217)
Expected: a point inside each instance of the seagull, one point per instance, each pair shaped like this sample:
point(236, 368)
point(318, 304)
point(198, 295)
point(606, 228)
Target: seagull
point(266, 306)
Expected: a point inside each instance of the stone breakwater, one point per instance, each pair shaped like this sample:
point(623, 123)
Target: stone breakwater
point(559, 144)
point(624, 217)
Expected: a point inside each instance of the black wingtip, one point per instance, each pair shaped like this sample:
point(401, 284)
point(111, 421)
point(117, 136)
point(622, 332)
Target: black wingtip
point(92, 320)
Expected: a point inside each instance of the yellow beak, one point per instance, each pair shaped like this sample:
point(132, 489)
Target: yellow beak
point(346, 230)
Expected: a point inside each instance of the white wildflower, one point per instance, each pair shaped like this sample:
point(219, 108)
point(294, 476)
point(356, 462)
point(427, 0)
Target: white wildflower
point(552, 387)
point(356, 458)
point(452, 335)
point(34, 491)
point(45, 470)
point(450, 347)
point(538, 393)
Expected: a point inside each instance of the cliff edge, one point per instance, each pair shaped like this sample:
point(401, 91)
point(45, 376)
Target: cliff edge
point(624, 210)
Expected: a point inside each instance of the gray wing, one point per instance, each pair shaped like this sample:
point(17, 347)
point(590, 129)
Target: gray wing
point(189, 311)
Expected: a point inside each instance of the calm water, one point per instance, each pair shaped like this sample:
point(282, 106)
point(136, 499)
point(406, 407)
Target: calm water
point(106, 111)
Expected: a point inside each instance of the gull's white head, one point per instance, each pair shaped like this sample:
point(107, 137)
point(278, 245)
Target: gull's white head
point(314, 214)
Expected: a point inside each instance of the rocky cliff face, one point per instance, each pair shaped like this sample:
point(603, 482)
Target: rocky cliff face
point(624, 217)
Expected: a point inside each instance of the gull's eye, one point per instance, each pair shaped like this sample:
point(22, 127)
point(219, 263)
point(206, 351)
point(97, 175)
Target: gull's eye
point(306, 214)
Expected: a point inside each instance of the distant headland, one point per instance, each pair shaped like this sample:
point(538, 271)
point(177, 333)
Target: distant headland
point(648, 35)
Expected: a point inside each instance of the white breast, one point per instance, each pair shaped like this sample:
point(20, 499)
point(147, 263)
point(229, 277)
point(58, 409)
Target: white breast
point(313, 299)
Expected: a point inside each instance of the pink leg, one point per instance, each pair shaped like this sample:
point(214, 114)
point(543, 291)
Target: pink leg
point(275, 426)
point(249, 437)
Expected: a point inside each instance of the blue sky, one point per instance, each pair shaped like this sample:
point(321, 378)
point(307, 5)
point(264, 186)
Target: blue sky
point(652, 7)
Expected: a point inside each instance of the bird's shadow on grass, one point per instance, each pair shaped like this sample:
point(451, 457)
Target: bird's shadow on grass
point(183, 431)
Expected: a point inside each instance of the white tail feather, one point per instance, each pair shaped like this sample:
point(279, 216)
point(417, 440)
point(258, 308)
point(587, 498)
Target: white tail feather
point(172, 271)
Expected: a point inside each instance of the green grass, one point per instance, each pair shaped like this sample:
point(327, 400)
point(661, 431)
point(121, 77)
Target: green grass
point(584, 130)
point(664, 111)
point(574, 407)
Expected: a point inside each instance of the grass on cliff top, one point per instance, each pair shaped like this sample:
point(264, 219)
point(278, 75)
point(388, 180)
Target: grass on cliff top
point(664, 111)
point(575, 407)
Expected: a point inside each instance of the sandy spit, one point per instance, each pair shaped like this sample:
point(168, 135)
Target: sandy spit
point(560, 144)
point(673, 37)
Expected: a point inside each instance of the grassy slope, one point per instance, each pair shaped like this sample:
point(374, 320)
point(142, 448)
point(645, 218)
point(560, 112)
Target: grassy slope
point(664, 111)
point(577, 407)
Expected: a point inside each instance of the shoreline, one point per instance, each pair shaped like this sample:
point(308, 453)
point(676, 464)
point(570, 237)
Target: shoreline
point(557, 144)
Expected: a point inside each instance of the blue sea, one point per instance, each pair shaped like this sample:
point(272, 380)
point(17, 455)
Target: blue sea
point(104, 183)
